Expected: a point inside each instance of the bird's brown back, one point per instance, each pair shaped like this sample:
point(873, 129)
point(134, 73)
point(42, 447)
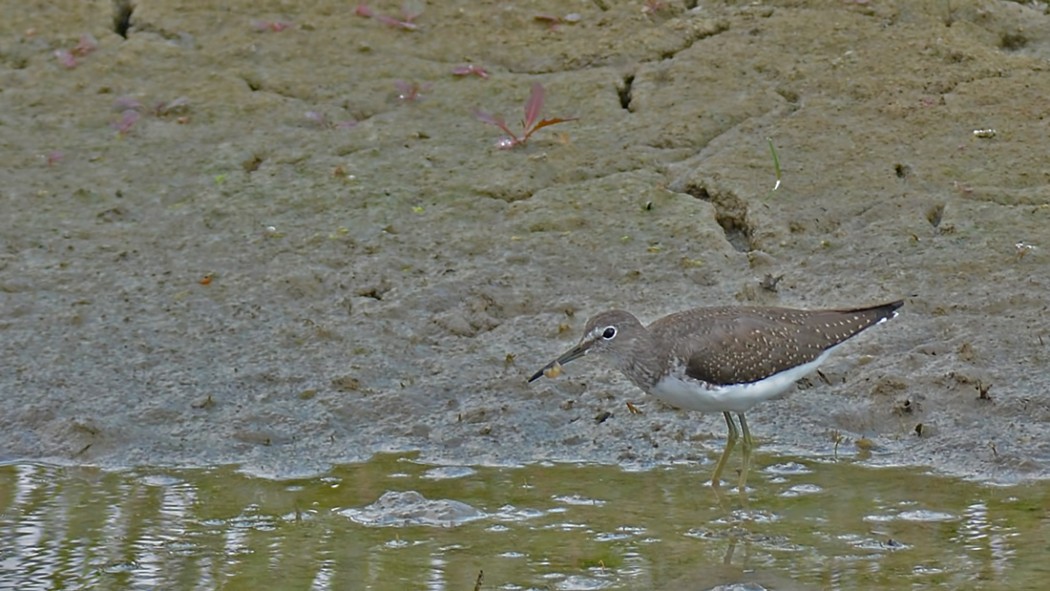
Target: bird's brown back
point(733, 345)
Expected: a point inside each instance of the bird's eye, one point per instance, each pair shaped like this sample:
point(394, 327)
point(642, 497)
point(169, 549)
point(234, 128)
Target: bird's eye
point(609, 333)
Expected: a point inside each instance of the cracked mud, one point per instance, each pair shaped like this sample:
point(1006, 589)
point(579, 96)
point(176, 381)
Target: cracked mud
point(279, 261)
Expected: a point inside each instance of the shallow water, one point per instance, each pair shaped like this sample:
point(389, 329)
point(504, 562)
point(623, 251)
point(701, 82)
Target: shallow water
point(804, 525)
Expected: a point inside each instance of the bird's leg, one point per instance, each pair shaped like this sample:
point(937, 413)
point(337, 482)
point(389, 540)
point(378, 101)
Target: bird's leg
point(748, 444)
point(730, 442)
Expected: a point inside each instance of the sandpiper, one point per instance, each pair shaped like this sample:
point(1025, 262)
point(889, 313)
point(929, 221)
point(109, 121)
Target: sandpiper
point(721, 359)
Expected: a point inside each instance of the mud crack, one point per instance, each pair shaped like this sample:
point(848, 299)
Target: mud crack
point(731, 213)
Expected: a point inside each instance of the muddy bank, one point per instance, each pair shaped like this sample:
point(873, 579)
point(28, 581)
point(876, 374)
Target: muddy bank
point(280, 262)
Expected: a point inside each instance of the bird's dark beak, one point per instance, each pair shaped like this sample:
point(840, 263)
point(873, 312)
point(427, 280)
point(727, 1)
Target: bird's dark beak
point(574, 353)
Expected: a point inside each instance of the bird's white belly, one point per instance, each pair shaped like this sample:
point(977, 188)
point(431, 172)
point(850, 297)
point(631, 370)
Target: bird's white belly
point(686, 393)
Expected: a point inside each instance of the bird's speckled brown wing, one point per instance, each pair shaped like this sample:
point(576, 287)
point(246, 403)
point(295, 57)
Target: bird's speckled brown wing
point(741, 345)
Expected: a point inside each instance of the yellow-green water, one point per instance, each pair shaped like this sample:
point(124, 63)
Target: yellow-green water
point(806, 525)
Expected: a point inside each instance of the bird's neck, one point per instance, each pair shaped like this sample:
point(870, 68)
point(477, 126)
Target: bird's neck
point(644, 366)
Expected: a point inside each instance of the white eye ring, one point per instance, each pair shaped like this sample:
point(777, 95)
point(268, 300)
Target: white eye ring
point(609, 333)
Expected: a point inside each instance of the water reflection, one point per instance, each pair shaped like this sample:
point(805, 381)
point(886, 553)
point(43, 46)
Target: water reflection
point(397, 524)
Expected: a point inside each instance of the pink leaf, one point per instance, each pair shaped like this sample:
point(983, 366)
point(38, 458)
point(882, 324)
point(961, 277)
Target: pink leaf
point(551, 20)
point(85, 46)
point(553, 121)
point(494, 120)
point(66, 58)
point(397, 24)
point(533, 106)
point(470, 69)
point(127, 120)
point(271, 26)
